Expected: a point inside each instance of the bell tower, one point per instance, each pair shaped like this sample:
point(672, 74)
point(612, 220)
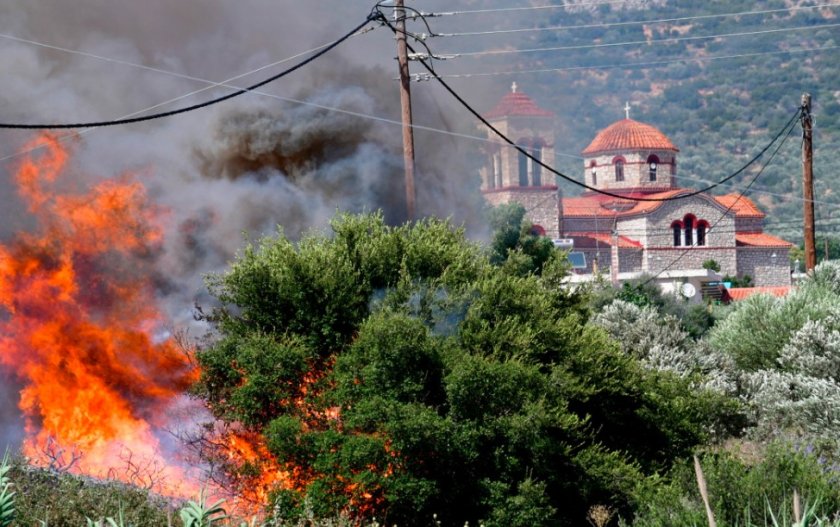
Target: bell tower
point(508, 175)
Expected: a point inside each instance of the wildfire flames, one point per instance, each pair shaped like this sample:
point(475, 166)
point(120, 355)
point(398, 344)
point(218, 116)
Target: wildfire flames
point(78, 326)
point(80, 316)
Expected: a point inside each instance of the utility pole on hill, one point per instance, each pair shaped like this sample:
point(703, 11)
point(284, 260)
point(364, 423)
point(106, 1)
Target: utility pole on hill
point(808, 183)
point(405, 103)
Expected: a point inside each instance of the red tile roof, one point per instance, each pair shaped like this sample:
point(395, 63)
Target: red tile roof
point(628, 134)
point(598, 205)
point(517, 104)
point(742, 205)
point(759, 239)
point(602, 237)
point(740, 293)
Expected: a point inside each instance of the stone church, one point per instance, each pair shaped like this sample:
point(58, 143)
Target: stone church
point(621, 237)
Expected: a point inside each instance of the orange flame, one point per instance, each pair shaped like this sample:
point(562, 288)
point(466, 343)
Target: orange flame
point(78, 331)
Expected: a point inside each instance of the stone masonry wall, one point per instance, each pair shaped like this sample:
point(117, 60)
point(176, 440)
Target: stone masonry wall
point(722, 234)
point(658, 260)
point(636, 170)
point(630, 260)
point(763, 267)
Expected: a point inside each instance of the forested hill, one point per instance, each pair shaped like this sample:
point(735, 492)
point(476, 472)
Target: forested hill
point(719, 111)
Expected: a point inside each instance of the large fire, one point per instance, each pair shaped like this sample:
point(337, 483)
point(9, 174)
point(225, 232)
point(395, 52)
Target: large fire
point(79, 327)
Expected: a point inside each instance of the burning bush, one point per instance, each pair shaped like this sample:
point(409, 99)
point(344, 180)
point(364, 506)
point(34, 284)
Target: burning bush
point(396, 372)
point(79, 322)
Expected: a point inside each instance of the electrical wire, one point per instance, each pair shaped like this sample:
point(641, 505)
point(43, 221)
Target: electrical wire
point(131, 120)
point(639, 64)
point(603, 25)
point(640, 42)
point(530, 156)
point(741, 195)
point(523, 8)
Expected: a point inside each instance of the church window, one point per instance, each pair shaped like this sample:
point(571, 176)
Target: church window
point(619, 169)
point(702, 229)
point(653, 163)
point(594, 179)
point(676, 227)
point(688, 226)
point(523, 170)
point(537, 169)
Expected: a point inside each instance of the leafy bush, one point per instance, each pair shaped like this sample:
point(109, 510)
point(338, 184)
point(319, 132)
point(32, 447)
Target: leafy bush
point(402, 374)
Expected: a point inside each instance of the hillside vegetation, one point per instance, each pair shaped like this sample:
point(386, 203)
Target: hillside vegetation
point(718, 112)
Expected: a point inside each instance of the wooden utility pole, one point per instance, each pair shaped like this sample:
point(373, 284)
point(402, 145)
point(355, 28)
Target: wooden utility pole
point(405, 103)
point(808, 183)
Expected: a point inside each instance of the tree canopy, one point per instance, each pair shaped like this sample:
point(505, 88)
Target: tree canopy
point(405, 371)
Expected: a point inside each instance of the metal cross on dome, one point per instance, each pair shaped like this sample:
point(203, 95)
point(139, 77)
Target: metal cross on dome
point(513, 87)
point(626, 109)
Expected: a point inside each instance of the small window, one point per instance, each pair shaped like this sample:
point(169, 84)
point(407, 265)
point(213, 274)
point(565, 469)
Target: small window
point(523, 170)
point(676, 227)
point(619, 170)
point(594, 179)
point(702, 228)
point(653, 163)
point(537, 168)
point(688, 225)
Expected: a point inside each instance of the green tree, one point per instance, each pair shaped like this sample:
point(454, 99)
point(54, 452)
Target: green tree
point(395, 371)
point(513, 235)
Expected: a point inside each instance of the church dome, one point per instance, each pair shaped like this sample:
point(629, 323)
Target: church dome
point(628, 134)
point(517, 104)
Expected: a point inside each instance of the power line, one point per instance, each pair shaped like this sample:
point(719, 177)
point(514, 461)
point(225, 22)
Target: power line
point(96, 124)
point(639, 42)
point(524, 8)
point(636, 64)
point(741, 194)
point(603, 25)
point(556, 172)
point(227, 84)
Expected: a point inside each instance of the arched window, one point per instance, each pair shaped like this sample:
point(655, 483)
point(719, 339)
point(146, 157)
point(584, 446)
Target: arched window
point(491, 175)
point(594, 173)
point(677, 228)
point(537, 168)
point(688, 227)
point(702, 229)
point(653, 163)
point(619, 168)
point(523, 169)
point(537, 230)
point(674, 167)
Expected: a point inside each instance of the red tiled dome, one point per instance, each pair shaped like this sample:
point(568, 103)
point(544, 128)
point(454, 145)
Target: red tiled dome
point(517, 104)
point(628, 134)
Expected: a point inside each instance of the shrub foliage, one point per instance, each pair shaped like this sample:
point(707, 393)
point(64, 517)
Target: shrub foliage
point(406, 375)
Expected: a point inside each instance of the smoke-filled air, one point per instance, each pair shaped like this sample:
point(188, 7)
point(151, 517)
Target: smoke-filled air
point(108, 232)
